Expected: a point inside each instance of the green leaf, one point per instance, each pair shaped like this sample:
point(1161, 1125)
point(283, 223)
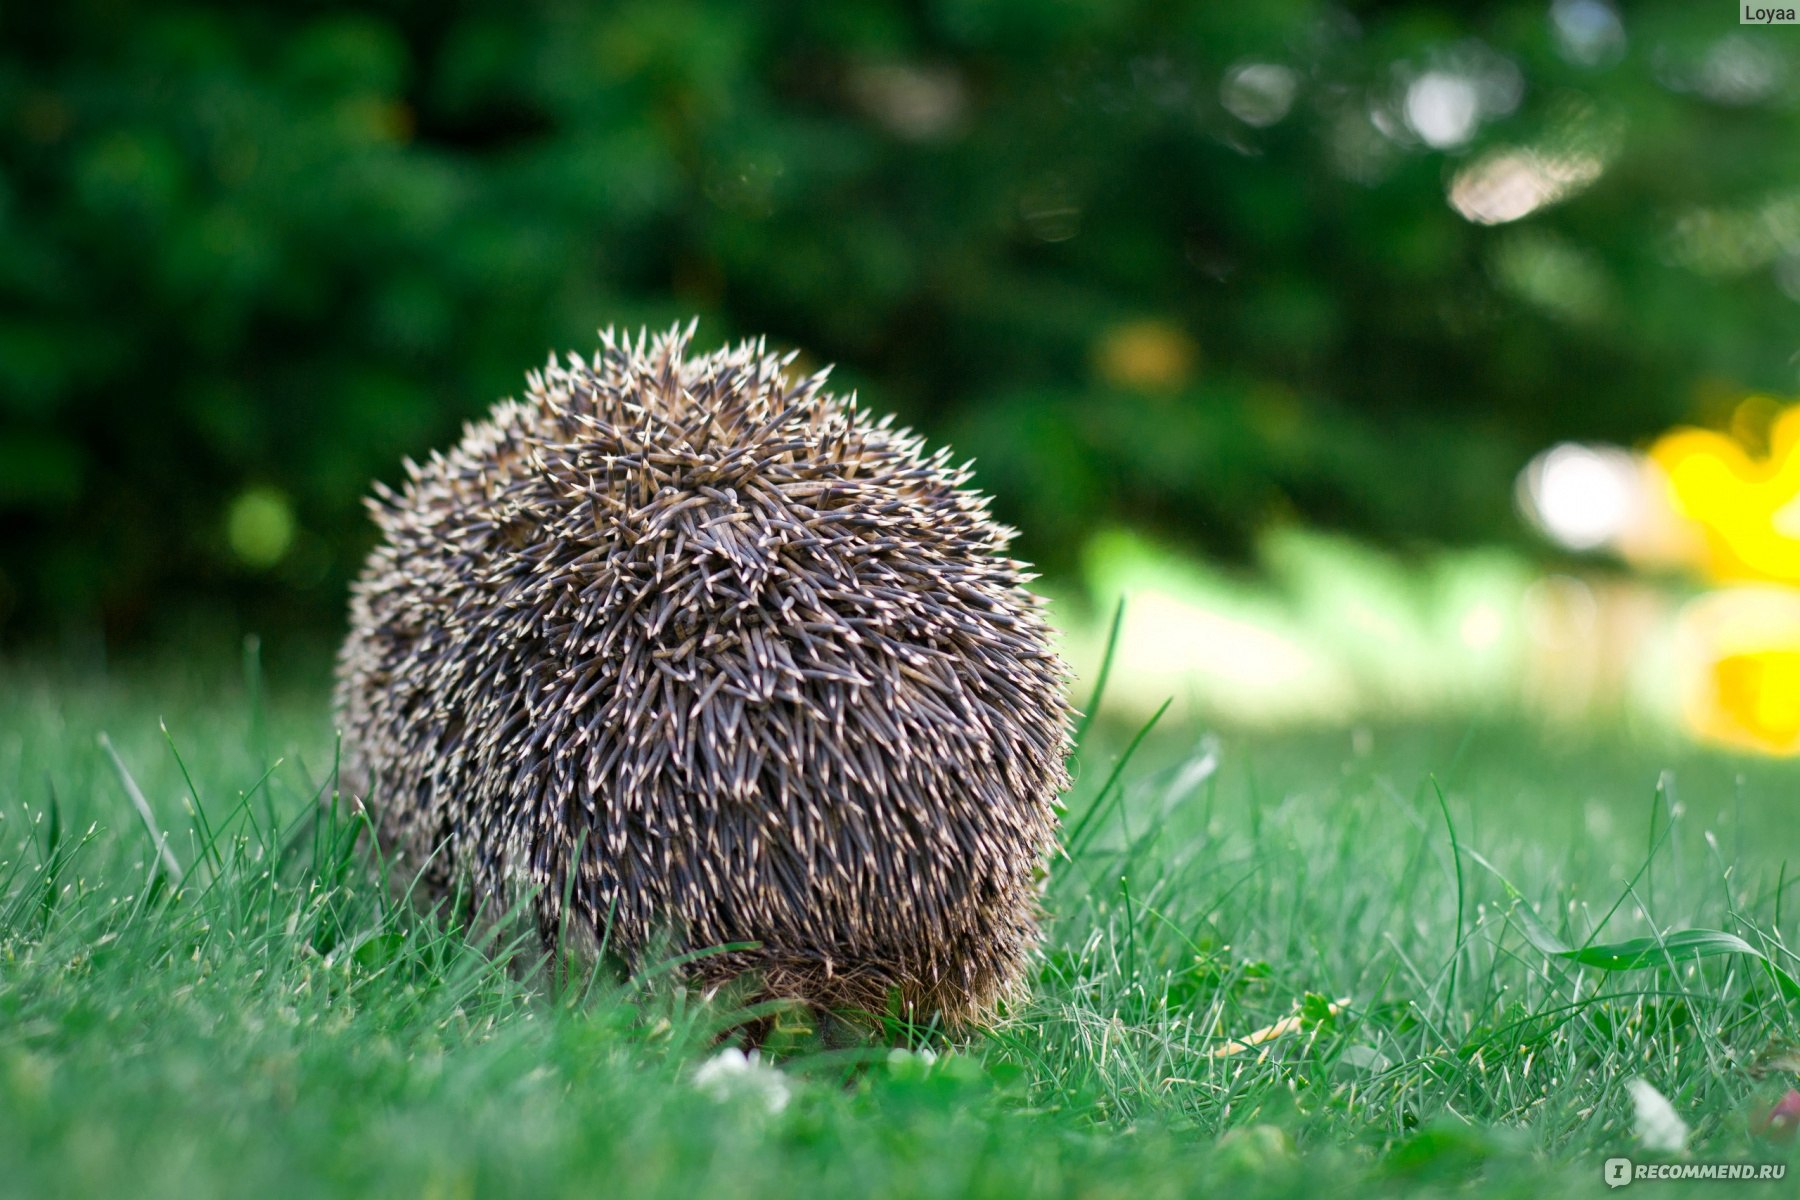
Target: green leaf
point(1634, 954)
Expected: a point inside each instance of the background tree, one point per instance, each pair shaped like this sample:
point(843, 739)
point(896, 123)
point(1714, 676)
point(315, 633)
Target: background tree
point(1187, 266)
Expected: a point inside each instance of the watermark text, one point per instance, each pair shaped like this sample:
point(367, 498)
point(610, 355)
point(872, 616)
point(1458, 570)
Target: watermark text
point(1617, 1172)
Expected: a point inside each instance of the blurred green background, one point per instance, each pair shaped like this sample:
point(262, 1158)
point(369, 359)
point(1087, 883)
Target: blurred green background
point(1195, 269)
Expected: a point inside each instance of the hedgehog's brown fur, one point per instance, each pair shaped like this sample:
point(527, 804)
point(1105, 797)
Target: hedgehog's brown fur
point(751, 665)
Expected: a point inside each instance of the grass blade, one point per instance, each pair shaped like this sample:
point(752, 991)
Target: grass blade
point(1456, 861)
point(1078, 835)
point(136, 795)
point(208, 848)
point(53, 858)
point(1106, 662)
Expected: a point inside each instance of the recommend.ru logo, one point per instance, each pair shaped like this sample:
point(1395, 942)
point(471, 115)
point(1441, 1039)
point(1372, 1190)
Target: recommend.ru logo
point(1617, 1172)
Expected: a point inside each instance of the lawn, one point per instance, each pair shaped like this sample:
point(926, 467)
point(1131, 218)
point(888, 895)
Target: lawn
point(254, 1013)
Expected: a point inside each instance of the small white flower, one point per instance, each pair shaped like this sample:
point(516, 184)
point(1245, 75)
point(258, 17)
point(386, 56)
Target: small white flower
point(731, 1074)
point(925, 1055)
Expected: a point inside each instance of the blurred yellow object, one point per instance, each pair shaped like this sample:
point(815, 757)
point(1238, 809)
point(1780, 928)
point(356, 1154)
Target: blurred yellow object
point(1747, 506)
point(1759, 699)
point(1740, 654)
point(1152, 354)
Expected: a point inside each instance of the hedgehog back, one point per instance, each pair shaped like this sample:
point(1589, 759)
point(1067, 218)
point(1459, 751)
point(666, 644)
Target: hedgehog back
point(720, 659)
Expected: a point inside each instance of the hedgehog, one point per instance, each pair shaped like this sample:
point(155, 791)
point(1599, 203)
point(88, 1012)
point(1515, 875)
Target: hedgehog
point(686, 655)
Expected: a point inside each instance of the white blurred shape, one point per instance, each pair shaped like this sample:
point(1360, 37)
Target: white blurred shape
point(731, 1074)
point(1259, 93)
point(1443, 108)
point(1203, 766)
point(1739, 69)
point(1582, 496)
point(1786, 519)
point(914, 101)
point(1588, 32)
point(1510, 184)
point(1659, 1126)
point(1481, 627)
point(1169, 637)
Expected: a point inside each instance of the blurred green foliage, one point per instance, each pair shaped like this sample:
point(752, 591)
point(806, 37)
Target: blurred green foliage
point(1191, 266)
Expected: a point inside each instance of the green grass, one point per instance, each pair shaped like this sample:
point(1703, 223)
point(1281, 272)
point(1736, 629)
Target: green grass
point(274, 1022)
